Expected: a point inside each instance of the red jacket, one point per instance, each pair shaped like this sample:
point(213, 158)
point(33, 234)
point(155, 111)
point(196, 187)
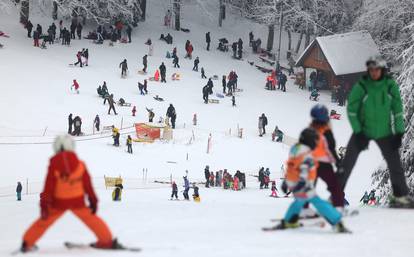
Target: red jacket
point(67, 183)
point(75, 85)
point(190, 48)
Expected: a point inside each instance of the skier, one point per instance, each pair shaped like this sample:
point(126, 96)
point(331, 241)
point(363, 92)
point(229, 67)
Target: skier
point(208, 40)
point(145, 63)
point(70, 121)
point(79, 59)
point(172, 115)
point(261, 177)
point(67, 185)
point(205, 92)
point(115, 135)
point(300, 179)
point(274, 189)
point(365, 198)
point(175, 62)
point(376, 113)
point(134, 110)
point(124, 68)
point(29, 27)
point(111, 103)
point(203, 74)
point(141, 88)
point(196, 62)
point(174, 191)
point(207, 176)
point(163, 71)
point(97, 122)
point(314, 94)
point(372, 198)
point(19, 189)
point(151, 115)
point(75, 86)
point(129, 144)
point(186, 188)
point(196, 194)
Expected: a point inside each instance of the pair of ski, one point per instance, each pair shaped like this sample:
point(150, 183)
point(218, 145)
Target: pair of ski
point(81, 246)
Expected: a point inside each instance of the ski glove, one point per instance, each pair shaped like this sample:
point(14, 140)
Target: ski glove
point(93, 205)
point(396, 141)
point(361, 141)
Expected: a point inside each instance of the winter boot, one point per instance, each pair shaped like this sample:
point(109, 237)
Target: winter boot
point(340, 228)
point(25, 249)
point(403, 202)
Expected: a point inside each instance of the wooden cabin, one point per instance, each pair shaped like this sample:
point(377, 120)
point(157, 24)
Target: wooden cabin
point(340, 58)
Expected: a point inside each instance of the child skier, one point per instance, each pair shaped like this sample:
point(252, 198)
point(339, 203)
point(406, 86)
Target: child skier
point(129, 144)
point(174, 191)
point(274, 189)
point(117, 193)
point(124, 68)
point(75, 86)
point(134, 110)
point(300, 179)
point(67, 185)
point(196, 195)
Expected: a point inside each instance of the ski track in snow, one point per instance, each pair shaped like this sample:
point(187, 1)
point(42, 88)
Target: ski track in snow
point(36, 94)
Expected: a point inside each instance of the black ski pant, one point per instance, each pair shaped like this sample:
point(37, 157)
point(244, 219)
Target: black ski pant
point(391, 156)
point(129, 148)
point(208, 46)
point(145, 68)
point(207, 182)
point(174, 194)
point(70, 129)
point(111, 107)
point(195, 68)
point(163, 78)
point(123, 72)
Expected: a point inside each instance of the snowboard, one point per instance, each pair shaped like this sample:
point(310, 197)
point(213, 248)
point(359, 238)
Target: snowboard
point(71, 245)
point(318, 224)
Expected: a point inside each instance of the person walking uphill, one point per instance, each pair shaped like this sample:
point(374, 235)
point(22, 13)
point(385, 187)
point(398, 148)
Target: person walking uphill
point(145, 63)
point(208, 40)
point(19, 189)
point(375, 112)
point(67, 185)
point(207, 176)
point(163, 71)
point(172, 115)
point(124, 68)
point(70, 121)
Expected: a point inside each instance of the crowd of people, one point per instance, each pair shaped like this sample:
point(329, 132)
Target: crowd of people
point(224, 179)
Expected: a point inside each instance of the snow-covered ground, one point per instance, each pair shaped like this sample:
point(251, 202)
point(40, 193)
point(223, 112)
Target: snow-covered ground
point(36, 100)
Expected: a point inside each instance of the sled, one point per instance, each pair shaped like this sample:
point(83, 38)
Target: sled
point(159, 99)
point(125, 104)
point(336, 116)
point(271, 63)
point(175, 76)
point(220, 95)
point(213, 101)
point(215, 77)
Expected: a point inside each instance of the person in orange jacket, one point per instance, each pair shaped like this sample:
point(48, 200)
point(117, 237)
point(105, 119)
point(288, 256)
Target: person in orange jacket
point(67, 185)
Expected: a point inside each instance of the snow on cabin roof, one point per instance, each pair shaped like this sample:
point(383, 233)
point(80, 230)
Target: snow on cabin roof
point(346, 53)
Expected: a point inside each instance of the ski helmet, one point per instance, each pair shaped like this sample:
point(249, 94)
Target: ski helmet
point(309, 137)
point(319, 113)
point(63, 143)
point(376, 62)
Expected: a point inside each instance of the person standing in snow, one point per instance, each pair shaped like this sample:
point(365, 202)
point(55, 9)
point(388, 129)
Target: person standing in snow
point(264, 118)
point(163, 71)
point(129, 31)
point(196, 62)
point(129, 144)
point(240, 48)
point(124, 68)
point(77, 124)
point(233, 101)
point(67, 185)
point(97, 122)
point(282, 79)
point(186, 188)
point(207, 176)
point(172, 115)
point(85, 54)
point(196, 193)
point(70, 122)
point(174, 192)
point(224, 84)
point(115, 135)
point(36, 38)
point(145, 63)
point(376, 113)
point(151, 115)
point(260, 126)
point(79, 30)
point(175, 62)
point(29, 27)
point(72, 30)
point(208, 40)
point(203, 74)
point(19, 190)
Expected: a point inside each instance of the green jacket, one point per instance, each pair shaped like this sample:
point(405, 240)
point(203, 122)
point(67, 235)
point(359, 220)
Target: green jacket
point(375, 108)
